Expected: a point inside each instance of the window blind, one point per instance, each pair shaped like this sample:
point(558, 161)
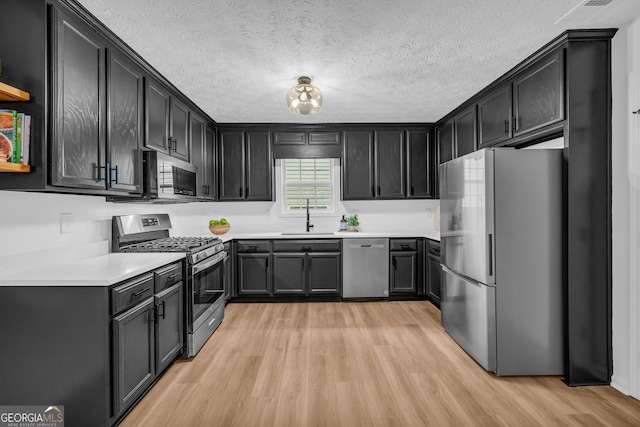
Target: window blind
point(307, 179)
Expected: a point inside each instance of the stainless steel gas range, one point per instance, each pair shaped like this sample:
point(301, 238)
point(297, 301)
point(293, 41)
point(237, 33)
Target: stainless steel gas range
point(205, 293)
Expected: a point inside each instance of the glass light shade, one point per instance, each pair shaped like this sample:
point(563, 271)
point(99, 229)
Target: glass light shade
point(304, 98)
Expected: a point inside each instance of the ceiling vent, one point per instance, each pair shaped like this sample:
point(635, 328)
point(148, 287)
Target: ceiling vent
point(584, 12)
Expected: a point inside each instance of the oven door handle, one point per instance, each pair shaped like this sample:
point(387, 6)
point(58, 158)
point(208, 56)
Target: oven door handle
point(197, 268)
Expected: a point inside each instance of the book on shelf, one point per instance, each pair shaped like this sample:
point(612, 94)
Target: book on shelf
point(15, 136)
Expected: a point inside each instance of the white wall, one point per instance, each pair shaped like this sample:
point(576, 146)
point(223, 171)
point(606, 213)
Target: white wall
point(626, 208)
point(31, 221)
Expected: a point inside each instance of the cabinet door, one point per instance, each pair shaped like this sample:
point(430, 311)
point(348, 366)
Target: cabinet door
point(357, 170)
point(494, 117)
point(538, 95)
point(324, 273)
point(390, 171)
point(209, 164)
point(124, 123)
point(404, 272)
point(258, 166)
point(435, 277)
point(231, 163)
point(419, 165)
point(157, 116)
point(324, 138)
point(254, 274)
point(179, 130)
point(78, 91)
point(133, 354)
point(445, 142)
point(289, 138)
point(465, 127)
point(289, 273)
point(197, 153)
point(169, 329)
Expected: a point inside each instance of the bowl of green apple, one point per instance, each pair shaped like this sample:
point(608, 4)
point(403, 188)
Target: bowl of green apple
point(219, 226)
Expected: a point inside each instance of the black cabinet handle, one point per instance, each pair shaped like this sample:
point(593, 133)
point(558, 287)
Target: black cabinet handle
point(506, 127)
point(97, 175)
point(405, 247)
point(174, 275)
point(515, 124)
point(164, 310)
point(140, 292)
point(117, 171)
point(412, 190)
point(246, 191)
point(170, 144)
point(394, 264)
point(373, 190)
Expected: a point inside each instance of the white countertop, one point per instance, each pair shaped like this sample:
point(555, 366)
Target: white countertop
point(330, 235)
point(103, 270)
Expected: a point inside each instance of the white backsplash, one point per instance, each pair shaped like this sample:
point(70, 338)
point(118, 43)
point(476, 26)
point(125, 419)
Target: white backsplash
point(30, 222)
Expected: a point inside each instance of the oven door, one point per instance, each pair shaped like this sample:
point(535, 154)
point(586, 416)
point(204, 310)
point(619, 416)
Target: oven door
point(207, 288)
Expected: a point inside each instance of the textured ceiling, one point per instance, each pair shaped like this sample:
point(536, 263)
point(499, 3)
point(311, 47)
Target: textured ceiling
point(374, 60)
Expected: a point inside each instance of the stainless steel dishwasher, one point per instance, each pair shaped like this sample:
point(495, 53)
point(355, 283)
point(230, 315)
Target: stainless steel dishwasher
point(365, 268)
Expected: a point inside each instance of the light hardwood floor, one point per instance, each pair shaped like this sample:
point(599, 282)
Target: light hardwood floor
point(358, 364)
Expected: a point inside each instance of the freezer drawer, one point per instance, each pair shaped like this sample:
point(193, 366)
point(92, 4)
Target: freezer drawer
point(469, 316)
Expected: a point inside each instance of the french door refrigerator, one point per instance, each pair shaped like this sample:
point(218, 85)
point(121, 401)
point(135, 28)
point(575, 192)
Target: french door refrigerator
point(501, 238)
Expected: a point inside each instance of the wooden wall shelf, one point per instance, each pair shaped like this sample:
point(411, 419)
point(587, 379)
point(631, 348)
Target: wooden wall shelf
point(10, 93)
point(14, 167)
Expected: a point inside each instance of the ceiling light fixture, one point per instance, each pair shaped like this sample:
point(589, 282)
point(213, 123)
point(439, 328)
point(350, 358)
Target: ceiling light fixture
point(304, 98)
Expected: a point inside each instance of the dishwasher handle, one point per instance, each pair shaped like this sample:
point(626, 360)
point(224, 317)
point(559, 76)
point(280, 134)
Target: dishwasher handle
point(367, 246)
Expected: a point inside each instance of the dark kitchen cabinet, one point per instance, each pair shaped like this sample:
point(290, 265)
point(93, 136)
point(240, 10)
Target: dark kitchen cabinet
point(495, 117)
point(421, 166)
point(289, 273)
point(133, 354)
point(78, 147)
point(434, 271)
point(167, 121)
point(203, 148)
point(125, 106)
point(405, 266)
point(465, 132)
point(245, 166)
point(97, 113)
point(302, 143)
point(254, 274)
point(538, 95)
point(169, 325)
point(445, 142)
point(532, 100)
point(390, 165)
point(307, 267)
point(253, 267)
point(358, 166)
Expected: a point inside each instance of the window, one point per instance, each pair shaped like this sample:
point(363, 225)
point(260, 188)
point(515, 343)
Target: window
point(303, 179)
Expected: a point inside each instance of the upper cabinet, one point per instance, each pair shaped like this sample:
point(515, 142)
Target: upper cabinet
point(245, 166)
point(421, 166)
point(458, 136)
point(167, 121)
point(94, 104)
point(305, 143)
point(528, 103)
point(387, 163)
point(95, 144)
point(203, 148)
point(446, 150)
point(538, 95)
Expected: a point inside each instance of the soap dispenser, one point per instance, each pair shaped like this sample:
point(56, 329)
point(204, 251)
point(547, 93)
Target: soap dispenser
point(343, 224)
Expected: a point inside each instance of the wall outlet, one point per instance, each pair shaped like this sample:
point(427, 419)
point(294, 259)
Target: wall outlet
point(429, 214)
point(66, 223)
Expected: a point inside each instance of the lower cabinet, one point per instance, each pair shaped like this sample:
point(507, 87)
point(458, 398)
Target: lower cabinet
point(434, 272)
point(405, 266)
point(254, 269)
point(307, 267)
point(147, 335)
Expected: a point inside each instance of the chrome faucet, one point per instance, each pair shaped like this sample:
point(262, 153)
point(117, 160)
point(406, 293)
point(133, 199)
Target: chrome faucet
point(309, 225)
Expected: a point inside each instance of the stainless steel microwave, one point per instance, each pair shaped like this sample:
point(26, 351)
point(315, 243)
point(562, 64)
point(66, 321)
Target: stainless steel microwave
point(168, 179)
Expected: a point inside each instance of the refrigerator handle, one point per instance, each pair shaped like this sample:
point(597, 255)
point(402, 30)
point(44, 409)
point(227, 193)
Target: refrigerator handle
point(460, 277)
point(490, 256)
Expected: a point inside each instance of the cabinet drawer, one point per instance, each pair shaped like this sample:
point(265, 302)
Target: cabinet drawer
point(131, 293)
point(434, 248)
point(332, 245)
point(403, 244)
point(167, 276)
point(253, 246)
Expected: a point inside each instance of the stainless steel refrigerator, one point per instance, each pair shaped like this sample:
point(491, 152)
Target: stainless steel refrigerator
point(501, 238)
